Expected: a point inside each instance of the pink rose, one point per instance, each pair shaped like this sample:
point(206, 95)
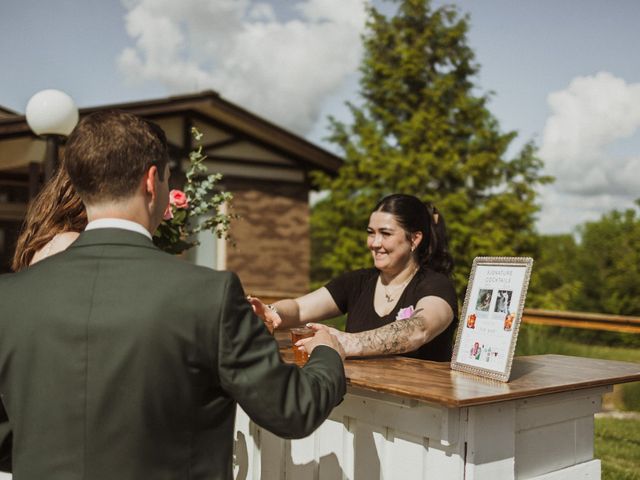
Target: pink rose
point(178, 199)
point(168, 213)
point(405, 313)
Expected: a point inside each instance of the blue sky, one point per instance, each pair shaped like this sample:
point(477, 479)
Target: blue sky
point(563, 73)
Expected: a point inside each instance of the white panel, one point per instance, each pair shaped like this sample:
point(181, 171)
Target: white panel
point(331, 446)
point(173, 128)
point(369, 445)
point(238, 169)
point(210, 134)
point(300, 460)
point(490, 442)
point(445, 462)
point(369, 437)
point(272, 456)
point(418, 419)
point(205, 254)
point(584, 439)
point(348, 442)
point(407, 457)
point(584, 471)
point(250, 151)
point(545, 449)
point(548, 409)
point(5, 476)
point(246, 447)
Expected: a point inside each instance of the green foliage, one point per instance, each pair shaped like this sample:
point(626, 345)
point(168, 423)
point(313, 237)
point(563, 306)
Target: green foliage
point(598, 273)
point(422, 129)
point(609, 264)
point(617, 444)
point(204, 210)
point(553, 283)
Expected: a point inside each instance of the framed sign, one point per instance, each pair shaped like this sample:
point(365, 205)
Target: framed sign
point(491, 315)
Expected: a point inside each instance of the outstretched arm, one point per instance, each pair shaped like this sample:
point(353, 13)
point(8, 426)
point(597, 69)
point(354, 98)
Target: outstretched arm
point(431, 317)
point(313, 307)
point(288, 401)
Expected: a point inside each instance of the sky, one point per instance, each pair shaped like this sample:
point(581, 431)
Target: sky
point(564, 74)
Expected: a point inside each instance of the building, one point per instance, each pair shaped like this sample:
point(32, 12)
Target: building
point(264, 166)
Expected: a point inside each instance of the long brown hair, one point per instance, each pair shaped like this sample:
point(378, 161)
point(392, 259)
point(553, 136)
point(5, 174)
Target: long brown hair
point(56, 209)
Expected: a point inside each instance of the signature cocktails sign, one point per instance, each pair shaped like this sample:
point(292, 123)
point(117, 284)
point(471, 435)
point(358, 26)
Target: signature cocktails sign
point(491, 316)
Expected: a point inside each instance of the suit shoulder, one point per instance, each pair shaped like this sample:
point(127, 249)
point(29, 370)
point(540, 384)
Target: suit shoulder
point(202, 273)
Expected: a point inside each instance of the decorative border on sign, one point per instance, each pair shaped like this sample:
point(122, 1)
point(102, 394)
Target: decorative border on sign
point(456, 361)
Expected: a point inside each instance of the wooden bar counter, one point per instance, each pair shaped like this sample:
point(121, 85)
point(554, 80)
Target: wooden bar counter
point(411, 419)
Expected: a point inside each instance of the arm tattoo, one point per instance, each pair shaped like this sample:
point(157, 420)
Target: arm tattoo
point(400, 336)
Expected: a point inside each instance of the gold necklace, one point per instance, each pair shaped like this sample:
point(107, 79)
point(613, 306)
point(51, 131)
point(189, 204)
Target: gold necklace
point(389, 298)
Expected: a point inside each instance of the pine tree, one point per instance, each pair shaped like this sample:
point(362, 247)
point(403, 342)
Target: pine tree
point(422, 128)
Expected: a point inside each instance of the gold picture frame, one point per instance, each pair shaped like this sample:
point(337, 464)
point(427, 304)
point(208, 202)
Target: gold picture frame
point(491, 316)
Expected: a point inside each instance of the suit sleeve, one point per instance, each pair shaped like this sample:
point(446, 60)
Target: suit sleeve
point(290, 402)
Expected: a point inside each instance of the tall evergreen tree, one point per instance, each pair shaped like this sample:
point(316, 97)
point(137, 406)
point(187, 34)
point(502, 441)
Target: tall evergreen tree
point(423, 129)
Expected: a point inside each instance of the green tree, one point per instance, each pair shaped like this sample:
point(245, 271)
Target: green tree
point(599, 273)
point(424, 129)
point(608, 264)
point(554, 282)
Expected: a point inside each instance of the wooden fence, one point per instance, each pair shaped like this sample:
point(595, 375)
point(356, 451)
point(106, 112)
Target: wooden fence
point(591, 321)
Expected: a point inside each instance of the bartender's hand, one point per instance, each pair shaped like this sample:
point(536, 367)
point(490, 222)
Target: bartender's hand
point(269, 316)
point(323, 336)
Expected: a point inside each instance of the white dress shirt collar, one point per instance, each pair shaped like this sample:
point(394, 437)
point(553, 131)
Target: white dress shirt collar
point(118, 223)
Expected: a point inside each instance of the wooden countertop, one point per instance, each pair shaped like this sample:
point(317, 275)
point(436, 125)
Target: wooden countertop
point(435, 382)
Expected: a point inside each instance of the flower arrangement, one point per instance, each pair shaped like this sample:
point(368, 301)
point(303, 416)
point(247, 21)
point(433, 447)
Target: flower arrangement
point(198, 208)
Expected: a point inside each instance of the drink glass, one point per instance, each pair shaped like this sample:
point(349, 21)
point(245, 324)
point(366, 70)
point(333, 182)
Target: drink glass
point(300, 356)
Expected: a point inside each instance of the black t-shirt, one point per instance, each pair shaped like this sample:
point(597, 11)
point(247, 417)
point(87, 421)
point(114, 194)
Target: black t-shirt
point(353, 293)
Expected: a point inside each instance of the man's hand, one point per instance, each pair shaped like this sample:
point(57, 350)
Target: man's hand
point(324, 336)
point(268, 315)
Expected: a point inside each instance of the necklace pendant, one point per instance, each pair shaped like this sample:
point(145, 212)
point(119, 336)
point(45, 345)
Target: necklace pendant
point(389, 299)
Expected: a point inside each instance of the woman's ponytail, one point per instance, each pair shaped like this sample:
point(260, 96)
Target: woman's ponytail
point(437, 255)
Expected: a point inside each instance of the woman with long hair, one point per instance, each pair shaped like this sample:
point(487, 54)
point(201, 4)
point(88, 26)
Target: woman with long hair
point(406, 304)
point(54, 220)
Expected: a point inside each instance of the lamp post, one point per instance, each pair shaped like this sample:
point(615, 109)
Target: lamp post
point(51, 114)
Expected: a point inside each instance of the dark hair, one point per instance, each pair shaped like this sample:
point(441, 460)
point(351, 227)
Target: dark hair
point(56, 209)
point(415, 216)
point(108, 153)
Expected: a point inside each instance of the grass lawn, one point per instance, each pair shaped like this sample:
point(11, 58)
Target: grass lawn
point(617, 444)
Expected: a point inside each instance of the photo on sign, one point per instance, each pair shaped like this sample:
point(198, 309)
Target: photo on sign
point(484, 300)
point(486, 339)
point(503, 300)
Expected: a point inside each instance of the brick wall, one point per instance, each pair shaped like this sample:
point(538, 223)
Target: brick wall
point(272, 250)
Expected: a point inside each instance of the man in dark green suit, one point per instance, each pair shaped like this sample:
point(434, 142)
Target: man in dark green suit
point(120, 362)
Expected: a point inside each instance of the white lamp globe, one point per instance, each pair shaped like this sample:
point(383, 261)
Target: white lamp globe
point(51, 112)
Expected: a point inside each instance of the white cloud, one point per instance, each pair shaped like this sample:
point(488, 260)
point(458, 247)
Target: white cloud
point(592, 116)
point(283, 70)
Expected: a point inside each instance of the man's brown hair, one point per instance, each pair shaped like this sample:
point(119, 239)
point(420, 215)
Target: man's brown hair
point(108, 153)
